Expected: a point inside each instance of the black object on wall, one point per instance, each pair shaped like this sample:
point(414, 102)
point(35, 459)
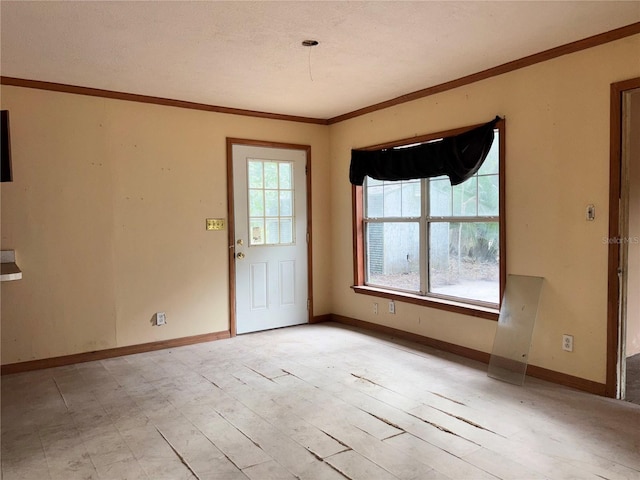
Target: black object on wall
point(5, 153)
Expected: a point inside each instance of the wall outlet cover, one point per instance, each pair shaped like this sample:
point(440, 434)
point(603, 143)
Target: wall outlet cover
point(161, 318)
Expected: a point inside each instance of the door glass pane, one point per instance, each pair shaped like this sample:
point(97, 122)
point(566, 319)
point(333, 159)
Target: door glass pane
point(255, 174)
point(273, 235)
point(271, 202)
point(393, 255)
point(256, 229)
point(256, 203)
point(285, 175)
point(270, 175)
point(463, 260)
point(286, 203)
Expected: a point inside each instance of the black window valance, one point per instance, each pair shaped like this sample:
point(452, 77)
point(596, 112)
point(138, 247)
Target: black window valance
point(459, 157)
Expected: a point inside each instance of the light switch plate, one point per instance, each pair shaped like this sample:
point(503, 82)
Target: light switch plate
point(161, 319)
point(591, 213)
point(215, 224)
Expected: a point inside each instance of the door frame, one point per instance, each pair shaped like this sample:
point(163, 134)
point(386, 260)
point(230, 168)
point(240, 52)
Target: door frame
point(231, 222)
point(614, 305)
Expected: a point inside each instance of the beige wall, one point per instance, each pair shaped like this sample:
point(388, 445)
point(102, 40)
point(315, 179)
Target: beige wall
point(633, 268)
point(557, 162)
point(106, 214)
point(107, 208)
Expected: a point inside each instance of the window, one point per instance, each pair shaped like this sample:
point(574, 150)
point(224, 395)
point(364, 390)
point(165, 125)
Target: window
point(428, 242)
point(270, 202)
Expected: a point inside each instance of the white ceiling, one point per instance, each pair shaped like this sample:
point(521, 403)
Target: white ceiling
point(248, 55)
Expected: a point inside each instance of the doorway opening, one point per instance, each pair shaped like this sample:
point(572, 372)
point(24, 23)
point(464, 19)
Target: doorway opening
point(623, 342)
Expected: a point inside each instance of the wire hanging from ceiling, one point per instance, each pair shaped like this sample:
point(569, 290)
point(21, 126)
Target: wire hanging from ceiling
point(310, 43)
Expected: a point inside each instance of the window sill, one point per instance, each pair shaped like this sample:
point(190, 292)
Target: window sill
point(451, 306)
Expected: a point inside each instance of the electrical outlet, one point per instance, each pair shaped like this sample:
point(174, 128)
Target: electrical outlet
point(392, 307)
point(161, 318)
point(375, 308)
point(567, 343)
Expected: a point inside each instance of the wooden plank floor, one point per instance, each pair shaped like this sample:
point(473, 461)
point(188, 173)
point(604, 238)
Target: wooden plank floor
point(312, 402)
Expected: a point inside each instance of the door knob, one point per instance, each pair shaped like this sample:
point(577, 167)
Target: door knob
point(240, 255)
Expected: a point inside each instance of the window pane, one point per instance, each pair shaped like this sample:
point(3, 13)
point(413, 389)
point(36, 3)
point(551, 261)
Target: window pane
point(256, 203)
point(286, 204)
point(285, 175)
point(272, 230)
point(488, 195)
point(374, 201)
point(392, 199)
point(492, 162)
point(255, 174)
point(271, 203)
point(271, 196)
point(463, 260)
point(465, 198)
point(393, 255)
point(440, 197)
point(411, 199)
point(270, 175)
point(286, 230)
point(257, 231)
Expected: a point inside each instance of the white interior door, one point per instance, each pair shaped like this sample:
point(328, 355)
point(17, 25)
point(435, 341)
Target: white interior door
point(270, 213)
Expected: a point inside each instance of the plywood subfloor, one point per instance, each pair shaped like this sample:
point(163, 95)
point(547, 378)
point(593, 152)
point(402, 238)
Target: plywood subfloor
point(313, 402)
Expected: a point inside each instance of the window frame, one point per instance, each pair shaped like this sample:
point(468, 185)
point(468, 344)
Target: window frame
point(456, 306)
